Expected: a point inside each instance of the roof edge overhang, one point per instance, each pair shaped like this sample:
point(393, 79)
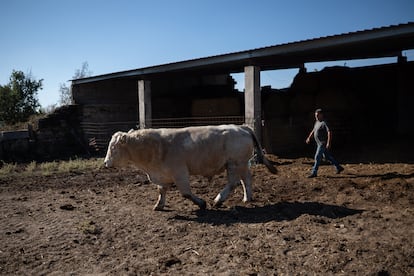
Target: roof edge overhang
point(379, 42)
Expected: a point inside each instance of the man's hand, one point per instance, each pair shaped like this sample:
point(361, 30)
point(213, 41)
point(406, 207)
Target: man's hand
point(309, 137)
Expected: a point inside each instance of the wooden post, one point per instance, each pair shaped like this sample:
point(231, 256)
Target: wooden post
point(144, 104)
point(252, 99)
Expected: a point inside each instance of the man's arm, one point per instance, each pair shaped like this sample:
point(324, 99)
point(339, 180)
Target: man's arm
point(328, 143)
point(309, 137)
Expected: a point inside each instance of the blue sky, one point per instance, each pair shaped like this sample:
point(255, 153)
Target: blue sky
point(52, 39)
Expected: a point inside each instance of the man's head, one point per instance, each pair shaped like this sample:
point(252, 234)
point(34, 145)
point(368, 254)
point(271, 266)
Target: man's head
point(319, 114)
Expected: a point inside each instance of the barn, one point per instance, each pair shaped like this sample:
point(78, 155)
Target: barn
point(360, 102)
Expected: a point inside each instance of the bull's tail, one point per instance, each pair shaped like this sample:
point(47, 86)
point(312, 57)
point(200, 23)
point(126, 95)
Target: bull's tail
point(259, 151)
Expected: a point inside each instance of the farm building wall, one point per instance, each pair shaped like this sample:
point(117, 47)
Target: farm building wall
point(360, 104)
point(106, 107)
point(112, 105)
point(198, 100)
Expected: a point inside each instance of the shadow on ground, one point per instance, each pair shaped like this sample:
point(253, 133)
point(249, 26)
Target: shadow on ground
point(385, 176)
point(274, 212)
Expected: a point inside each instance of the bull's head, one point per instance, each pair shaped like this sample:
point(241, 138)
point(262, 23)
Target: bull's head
point(117, 154)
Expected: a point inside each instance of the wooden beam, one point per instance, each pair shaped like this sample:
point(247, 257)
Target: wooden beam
point(252, 99)
point(144, 104)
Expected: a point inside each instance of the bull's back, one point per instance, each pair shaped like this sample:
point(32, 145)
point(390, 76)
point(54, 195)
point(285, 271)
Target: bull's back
point(207, 150)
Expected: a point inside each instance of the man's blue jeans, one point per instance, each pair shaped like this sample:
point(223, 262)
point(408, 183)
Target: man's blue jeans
point(320, 151)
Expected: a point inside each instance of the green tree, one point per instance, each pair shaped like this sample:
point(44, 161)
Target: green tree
point(66, 92)
point(18, 99)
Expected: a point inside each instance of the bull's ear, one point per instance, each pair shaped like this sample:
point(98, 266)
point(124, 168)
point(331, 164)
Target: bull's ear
point(122, 138)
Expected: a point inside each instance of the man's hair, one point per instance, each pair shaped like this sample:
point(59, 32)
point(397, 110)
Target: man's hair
point(319, 110)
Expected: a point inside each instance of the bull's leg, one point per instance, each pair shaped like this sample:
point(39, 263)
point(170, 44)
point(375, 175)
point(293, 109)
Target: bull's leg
point(162, 190)
point(183, 185)
point(233, 179)
point(246, 184)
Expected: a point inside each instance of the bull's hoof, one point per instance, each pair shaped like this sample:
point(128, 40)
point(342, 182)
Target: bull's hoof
point(245, 200)
point(217, 204)
point(158, 208)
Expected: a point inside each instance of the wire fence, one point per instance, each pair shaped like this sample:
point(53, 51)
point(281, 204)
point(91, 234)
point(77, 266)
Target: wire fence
point(196, 121)
point(98, 134)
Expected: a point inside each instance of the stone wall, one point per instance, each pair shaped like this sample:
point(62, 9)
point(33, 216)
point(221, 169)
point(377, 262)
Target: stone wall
point(15, 145)
point(56, 136)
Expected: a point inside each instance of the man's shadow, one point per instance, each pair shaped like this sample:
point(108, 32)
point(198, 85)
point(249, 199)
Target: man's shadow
point(275, 212)
point(384, 176)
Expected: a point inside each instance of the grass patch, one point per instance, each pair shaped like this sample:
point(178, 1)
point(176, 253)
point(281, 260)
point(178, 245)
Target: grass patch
point(79, 165)
point(31, 167)
point(50, 168)
point(8, 168)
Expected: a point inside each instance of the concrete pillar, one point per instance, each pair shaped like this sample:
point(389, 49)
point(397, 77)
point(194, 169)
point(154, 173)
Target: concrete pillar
point(252, 99)
point(144, 104)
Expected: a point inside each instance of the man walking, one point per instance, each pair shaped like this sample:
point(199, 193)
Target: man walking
point(323, 138)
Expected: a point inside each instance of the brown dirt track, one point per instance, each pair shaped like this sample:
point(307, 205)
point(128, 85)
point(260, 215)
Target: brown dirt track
point(101, 222)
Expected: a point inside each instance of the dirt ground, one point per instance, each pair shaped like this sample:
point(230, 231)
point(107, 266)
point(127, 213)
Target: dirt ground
point(101, 222)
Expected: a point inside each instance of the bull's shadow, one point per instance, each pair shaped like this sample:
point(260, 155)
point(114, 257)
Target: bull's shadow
point(274, 212)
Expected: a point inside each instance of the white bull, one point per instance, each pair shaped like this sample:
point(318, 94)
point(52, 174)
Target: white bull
point(171, 155)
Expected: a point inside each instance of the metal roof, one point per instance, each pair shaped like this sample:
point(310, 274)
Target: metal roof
point(373, 43)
